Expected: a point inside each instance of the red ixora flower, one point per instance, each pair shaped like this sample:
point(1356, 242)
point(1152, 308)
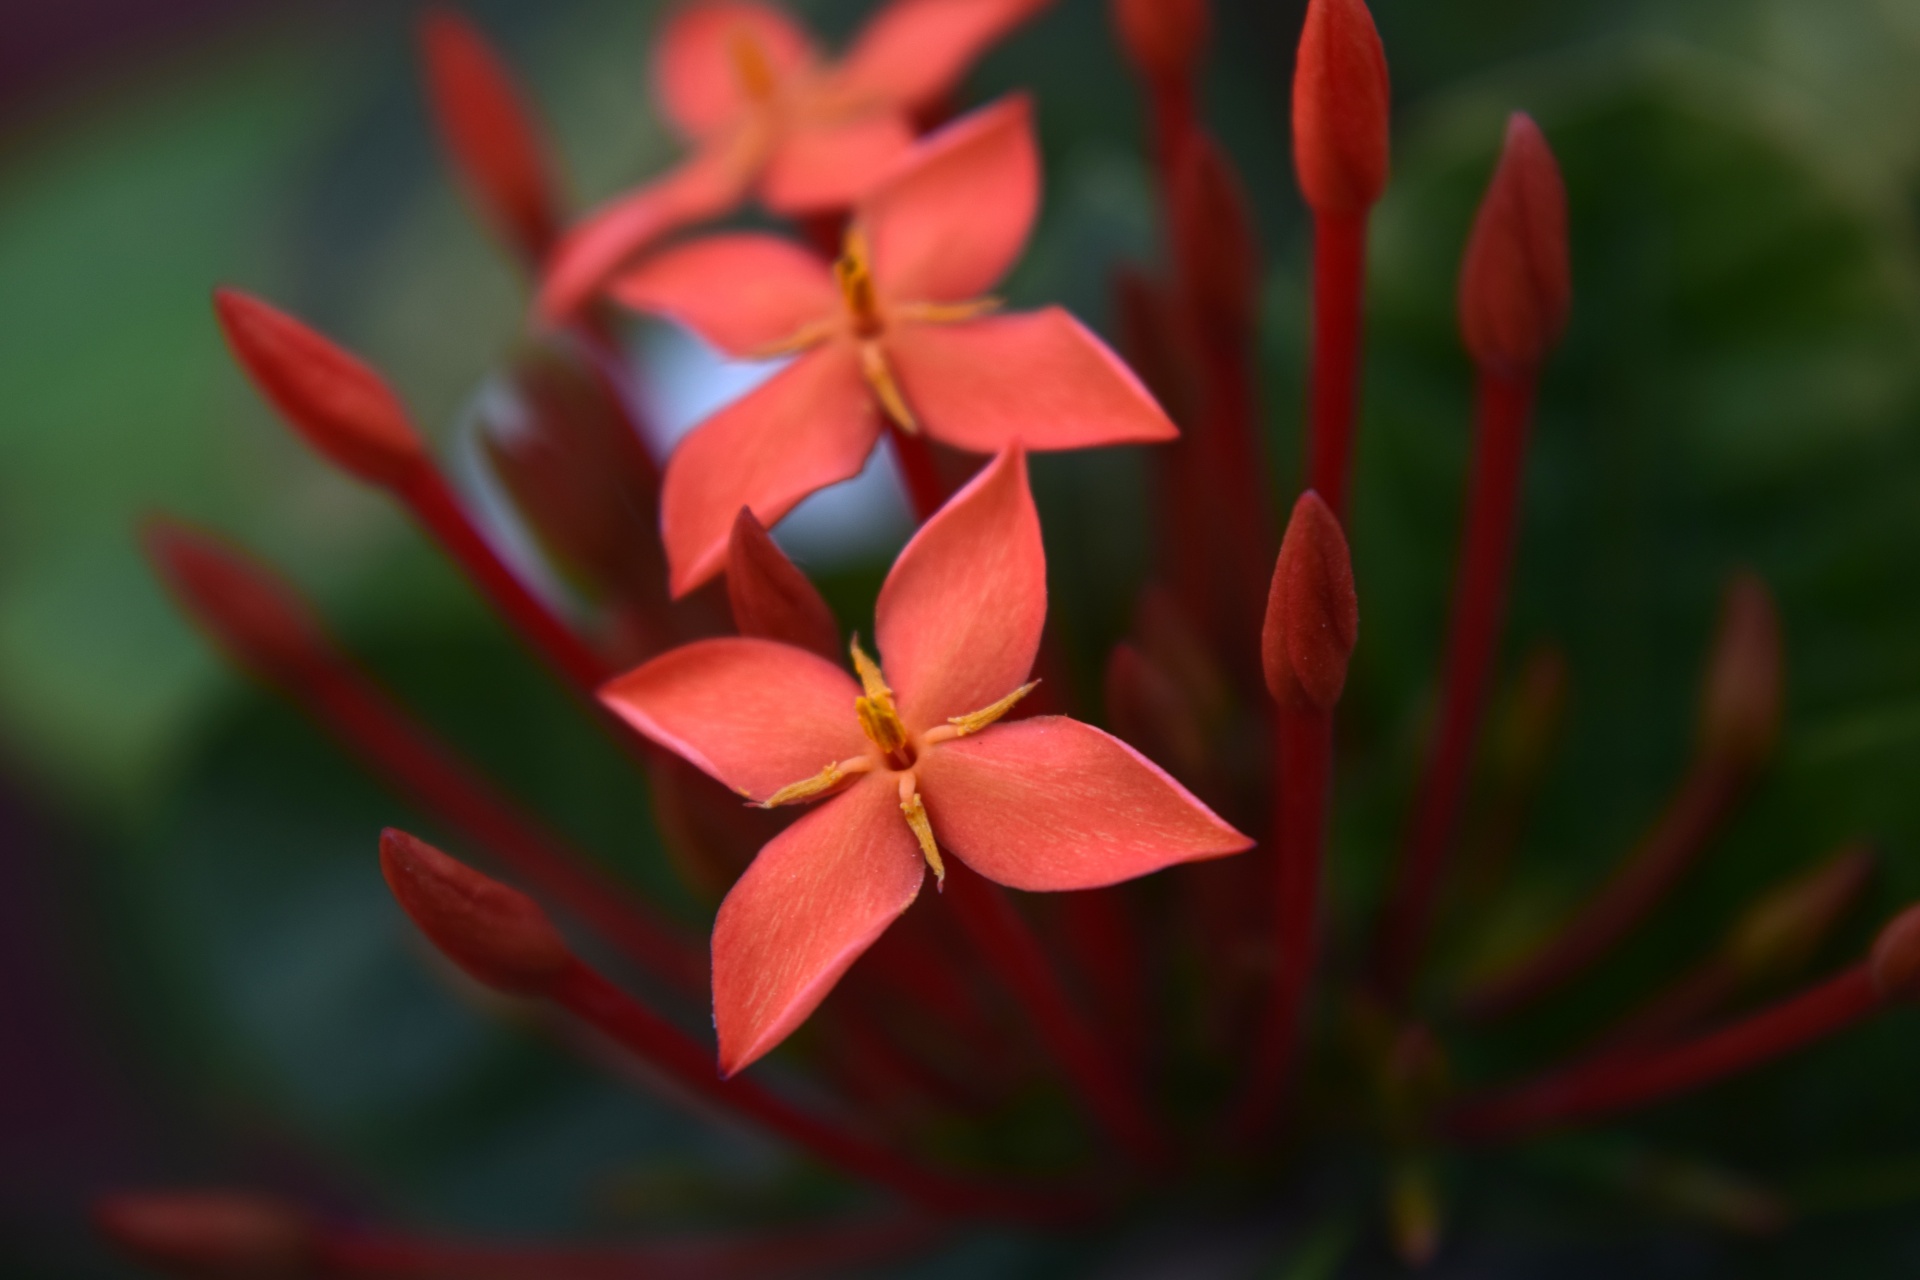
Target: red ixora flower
point(896, 330)
point(748, 89)
point(910, 768)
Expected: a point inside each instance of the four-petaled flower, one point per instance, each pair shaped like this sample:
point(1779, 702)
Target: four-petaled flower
point(925, 763)
point(747, 88)
point(896, 330)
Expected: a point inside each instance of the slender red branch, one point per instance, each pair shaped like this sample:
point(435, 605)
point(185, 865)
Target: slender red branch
point(1479, 606)
point(1010, 949)
point(1333, 386)
point(1705, 796)
point(1613, 1084)
point(601, 1005)
point(1304, 779)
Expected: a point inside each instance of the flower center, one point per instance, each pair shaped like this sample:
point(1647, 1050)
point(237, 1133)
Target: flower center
point(854, 274)
point(879, 718)
point(751, 66)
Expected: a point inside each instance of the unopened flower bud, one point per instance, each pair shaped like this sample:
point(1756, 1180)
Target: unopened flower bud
point(1214, 241)
point(1313, 615)
point(1895, 959)
point(771, 598)
point(1740, 703)
point(1341, 103)
point(343, 408)
point(1780, 932)
point(1516, 285)
point(498, 935)
point(247, 610)
point(1163, 37)
point(229, 1234)
point(488, 132)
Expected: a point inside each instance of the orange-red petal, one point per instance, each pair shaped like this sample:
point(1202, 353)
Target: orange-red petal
point(612, 236)
point(915, 50)
point(696, 62)
point(819, 895)
point(1037, 378)
point(743, 293)
point(1050, 803)
point(959, 618)
point(810, 425)
point(955, 215)
point(756, 714)
point(816, 168)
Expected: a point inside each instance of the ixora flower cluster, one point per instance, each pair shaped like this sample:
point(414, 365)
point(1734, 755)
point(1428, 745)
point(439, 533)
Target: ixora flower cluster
point(935, 752)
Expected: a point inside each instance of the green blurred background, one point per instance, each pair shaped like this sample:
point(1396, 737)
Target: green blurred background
point(204, 979)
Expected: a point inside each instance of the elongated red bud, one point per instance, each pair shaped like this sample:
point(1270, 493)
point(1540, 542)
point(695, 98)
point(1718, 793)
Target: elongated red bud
point(1341, 104)
point(1740, 703)
point(498, 935)
point(489, 133)
point(1313, 615)
point(1163, 38)
point(1516, 285)
point(343, 408)
point(210, 1233)
point(243, 605)
point(771, 598)
point(1895, 960)
point(1781, 931)
point(1214, 239)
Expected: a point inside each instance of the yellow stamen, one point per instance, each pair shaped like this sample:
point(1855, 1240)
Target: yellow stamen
point(947, 312)
point(811, 334)
point(853, 272)
point(975, 721)
point(879, 374)
point(807, 788)
point(751, 65)
point(916, 812)
point(879, 718)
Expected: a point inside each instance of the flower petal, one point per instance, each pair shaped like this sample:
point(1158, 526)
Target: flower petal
point(1039, 378)
point(815, 168)
point(610, 237)
point(1050, 803)
point(743, 293)
point(959, 619)
point(810, 425)
point(755, 714)
point(915, 50)
point(954, 216)
point(698, 60)
point(819, 894)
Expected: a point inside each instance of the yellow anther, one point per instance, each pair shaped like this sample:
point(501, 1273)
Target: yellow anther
point(807, 788)
point(750, 64)
point(975, 721)
point(807, 335)
point(916, 813)
point(853, 272)
point(871, 678)
point(947, 312)
point(879, 718)
point(879, 375)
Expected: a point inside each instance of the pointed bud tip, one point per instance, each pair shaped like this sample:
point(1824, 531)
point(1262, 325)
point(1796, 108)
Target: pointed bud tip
point(1163, 38)
point(334, 400)
point(209, 1233)
point(1313, 613)
point(771, 597)
point(1516, 284)
point(498, 935)
point(247, 610)
point(1741, 701)
point(1782, 930)
point(1341, 107)
point(1895, 959)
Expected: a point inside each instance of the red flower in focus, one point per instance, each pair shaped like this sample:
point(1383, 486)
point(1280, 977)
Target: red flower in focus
point(1046, 803)
point(895, 330)
point(765, 113)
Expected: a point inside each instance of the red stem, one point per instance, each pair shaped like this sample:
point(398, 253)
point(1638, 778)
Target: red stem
point(1586, 1092)
point(1333, 389)
point(399, 750)
point(1696, 811)
point(1010, 949)
point(1670, 1012)
point(1479, 605)
point(1173, 115)
point(434, 505)
point(357, 1254)
point(606, 1008)
point(1303, 787)
point(919, 471)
